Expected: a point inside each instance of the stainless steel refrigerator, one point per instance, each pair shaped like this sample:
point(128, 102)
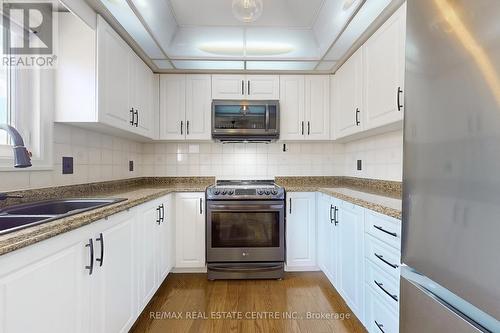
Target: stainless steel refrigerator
point(451, 198)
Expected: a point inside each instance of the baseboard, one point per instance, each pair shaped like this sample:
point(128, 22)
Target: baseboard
point(189, 270)
point(301, 268)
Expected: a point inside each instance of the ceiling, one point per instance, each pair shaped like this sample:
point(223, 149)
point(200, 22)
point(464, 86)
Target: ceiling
point(203, 35)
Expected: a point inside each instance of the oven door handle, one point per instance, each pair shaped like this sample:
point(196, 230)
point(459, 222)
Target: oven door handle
point(245, 207)
point(267, 117)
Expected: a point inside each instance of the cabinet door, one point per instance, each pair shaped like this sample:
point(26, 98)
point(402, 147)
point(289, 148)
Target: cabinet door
point(114, 67)
point(172, 107)
point(143, 103)
point(45, 288)
point(190, 230)
point(317, 110)
point(148, 228)
point(350, 283)
point(348, 109)
point(228, 86)
point(198, 107)
point(113, 288)
point(301, 231)
point(262, 87)
point(292, 106)
point(165, 248)
point(324, 214)
point(384, 63)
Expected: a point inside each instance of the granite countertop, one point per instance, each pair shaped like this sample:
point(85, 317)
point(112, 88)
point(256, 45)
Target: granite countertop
point(135, 194)
point(380, 196)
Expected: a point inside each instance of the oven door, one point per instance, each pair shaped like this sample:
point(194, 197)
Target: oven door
point(245, 231)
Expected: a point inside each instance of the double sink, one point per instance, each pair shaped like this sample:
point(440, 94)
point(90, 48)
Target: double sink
point(27, 215)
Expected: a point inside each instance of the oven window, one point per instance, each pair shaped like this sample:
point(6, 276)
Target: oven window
point(245, 229)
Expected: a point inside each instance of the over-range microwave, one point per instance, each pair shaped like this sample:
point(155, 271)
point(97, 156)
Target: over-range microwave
point(243, 120)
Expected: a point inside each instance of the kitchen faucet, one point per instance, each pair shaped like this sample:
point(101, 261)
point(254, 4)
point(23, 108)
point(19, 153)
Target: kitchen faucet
point(22, 157)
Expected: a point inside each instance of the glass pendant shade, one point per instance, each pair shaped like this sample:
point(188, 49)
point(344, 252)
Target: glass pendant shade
point(247, 11)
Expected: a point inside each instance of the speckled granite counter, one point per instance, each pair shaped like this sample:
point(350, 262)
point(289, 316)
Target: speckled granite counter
point(380, 196)
point(136, 192)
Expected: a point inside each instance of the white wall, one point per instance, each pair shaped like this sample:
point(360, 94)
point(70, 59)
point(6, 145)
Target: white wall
point(96, 157)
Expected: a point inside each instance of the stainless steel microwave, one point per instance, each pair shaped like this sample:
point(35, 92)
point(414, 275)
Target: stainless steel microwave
point(242, 120)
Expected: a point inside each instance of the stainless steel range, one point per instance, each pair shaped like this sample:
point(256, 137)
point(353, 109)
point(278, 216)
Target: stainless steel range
point(245, 230)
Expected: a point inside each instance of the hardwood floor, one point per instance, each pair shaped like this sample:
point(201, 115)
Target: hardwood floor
point(191, 303)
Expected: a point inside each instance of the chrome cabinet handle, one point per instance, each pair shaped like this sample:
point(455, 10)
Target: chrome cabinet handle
point(182, 126)
point(400, 91)
point(302, 128)
point(187, 127)
point(90, 245)
point(335, 215)
point(132, 116)
point(242, 87)
point(393, 234)
point(357, 117)
point(381, 257)
point(158, 220)
point(381, 286)
point(308, 128)
point(248, 87)
point(379, 326)
point(136, 113)
point(331, 218)
point(201, 206)
point(101, 259)
point(162, 207)
point(290, 208)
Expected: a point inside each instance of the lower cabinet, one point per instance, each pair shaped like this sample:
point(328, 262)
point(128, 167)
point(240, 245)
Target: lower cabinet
point(301, 231)
point(328, 237)
point(190, 230)
point(379, 317)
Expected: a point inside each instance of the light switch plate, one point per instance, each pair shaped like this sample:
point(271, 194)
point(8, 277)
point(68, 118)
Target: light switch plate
point(67, 165)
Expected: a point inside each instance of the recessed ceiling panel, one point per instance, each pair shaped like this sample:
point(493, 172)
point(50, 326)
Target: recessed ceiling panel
point(129, 21)
point(365, 16)
point(277, 13)
point(159, 18)
point(208, 65)
point(281, 65)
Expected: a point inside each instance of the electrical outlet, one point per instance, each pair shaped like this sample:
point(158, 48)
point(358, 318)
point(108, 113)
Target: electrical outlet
point(358, 165)
point(67, 165)
point(130, 166)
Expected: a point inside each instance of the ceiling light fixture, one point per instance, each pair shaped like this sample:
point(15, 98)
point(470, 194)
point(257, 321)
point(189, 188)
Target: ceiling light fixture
point(247, 11)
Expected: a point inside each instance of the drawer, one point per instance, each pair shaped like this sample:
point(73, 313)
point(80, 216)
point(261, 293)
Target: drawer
point(382, 283)
point(379, 317)
point(384, 256)
point(385, 228)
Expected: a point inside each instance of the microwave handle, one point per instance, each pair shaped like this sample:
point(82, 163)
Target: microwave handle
point(267, 117)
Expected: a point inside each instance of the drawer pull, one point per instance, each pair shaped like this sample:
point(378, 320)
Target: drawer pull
point(383, 230)
point(381, 257)
point(379, 326)
point(381, 286)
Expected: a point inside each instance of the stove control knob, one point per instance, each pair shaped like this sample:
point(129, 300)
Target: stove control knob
point(224, 192)
point(260, 192)
point(216, 192)
point(268, 192)
point(230, 192)
point(274, 192)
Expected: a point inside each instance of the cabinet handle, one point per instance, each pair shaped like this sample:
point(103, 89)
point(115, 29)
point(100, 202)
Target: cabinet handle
point(399, 101)
point(136, 112)
point(158, 220)
point(357, 117)
point(290, 208)
point(182, 126)
point(308, 128)
point(248, 87)
point(201, 206)
point(101, 259)
point(242, 87)
point(302, 128)
point(381, 286)
point(381, 257)
point(379, 326)
point(331, 218)
point(162, 213)
point(90, 245)
point(132, 116)
point(187, 127)
point(393, 234)
point(335, 215)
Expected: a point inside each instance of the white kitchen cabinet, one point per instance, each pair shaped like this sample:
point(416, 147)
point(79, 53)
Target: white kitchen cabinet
point(384, 66)
point(185, 107)
point(301, 231)
point(251, 87)
point(325, 227)
point(101, 83)
point(378, 315)
point(351, 256)
point(190, 230)
point(348, 101)
point(114, 284)
point(166, 240)
point(304, 107)
point(45, 288)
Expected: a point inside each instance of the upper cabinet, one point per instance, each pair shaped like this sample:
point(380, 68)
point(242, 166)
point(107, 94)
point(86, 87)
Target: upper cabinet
point(304, 107)
point(368, 88)
point(185, 104)
point(252, 87)
point(115, 88)
point(384, 66)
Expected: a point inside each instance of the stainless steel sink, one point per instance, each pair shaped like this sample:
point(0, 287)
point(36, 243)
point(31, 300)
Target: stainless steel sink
point(26, 215)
